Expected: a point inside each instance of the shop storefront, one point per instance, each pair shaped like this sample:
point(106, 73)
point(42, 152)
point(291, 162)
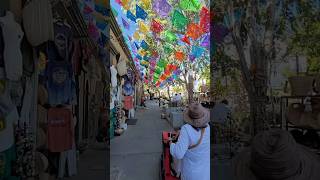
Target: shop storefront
point(54, 83)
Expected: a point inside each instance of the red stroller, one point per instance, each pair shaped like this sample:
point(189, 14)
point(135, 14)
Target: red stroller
point(166, 170)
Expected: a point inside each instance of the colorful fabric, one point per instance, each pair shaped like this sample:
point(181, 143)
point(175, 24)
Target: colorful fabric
point(60, 129)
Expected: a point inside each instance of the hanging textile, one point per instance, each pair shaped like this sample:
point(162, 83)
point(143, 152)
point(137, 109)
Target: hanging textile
point(194, 31)
point(93, 31)
point(161, 7)
point(101, 9)
point(179, 21)
point(190, 5)
point(131, 16)
point(156, 26)
point(141, 13)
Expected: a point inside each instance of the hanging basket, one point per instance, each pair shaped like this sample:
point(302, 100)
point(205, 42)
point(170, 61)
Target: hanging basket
point(301, 85)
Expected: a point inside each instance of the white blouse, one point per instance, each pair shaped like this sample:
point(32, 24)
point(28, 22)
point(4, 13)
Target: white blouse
point(195, 163)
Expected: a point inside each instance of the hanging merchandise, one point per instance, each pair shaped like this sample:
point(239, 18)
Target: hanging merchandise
point(93, 31)
point(38, 22)
point(156, 26)
point(60, 84)
point(114, 73)
point(12, 36)
point(131, 16)
point(128, 89)
point(63, 38)
point(194, 31)
point(141, 13)
point(162, 8)
point(179, 21)
point(101, 9)
point(190, 5)
point(179, 56)
point(122, 67)
point(60, 129)
point(101, 24)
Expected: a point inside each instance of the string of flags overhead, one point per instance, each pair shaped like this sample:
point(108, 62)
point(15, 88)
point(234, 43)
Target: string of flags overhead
point(163, 36)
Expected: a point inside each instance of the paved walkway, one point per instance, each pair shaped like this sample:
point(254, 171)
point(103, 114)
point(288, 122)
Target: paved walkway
point(92, 164)
point(135, 155)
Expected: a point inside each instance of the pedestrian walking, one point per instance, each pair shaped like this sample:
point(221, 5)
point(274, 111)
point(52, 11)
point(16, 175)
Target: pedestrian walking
point(193, 145)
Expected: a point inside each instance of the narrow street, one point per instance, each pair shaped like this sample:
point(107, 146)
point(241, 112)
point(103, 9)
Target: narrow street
point(136, 153)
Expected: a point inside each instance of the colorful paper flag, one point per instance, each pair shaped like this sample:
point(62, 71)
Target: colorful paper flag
point(125, 24)
point(161, 7)
point(156, 26)
point(194, 31)
point(141, 13)
point(131, 16)
point(179, 21)
point(190, 5)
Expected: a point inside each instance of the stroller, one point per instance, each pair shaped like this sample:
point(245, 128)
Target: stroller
point(167, 172)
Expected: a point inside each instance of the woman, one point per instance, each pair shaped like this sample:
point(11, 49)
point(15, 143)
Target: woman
point(193, 145)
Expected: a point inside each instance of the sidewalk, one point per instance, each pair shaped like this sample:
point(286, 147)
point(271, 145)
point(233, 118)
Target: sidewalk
point(135, 155)
point(92, 164)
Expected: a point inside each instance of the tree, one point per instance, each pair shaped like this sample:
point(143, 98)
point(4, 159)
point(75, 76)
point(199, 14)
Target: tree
point(254, 30)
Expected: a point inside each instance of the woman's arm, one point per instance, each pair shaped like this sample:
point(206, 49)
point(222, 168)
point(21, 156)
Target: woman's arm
point(177, 150)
